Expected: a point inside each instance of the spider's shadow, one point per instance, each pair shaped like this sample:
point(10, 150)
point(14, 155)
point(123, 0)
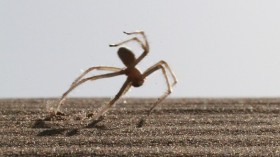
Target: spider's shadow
point(94, 124)
point(40, 123)
point(49, 131)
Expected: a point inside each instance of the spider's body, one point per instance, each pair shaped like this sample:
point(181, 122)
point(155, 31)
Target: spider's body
point(135, 78)
point(132, 73)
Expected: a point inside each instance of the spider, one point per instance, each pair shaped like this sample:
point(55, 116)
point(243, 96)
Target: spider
point(135, 78)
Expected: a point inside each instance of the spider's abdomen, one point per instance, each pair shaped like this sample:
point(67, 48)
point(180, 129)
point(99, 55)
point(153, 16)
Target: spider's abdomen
point(127, 56)
point(135, 76)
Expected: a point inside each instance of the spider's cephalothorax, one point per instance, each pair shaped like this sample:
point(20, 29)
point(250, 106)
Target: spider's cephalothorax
point(134, 76)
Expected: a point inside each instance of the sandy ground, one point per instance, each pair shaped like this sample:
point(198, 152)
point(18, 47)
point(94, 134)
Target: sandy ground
point(178, 127)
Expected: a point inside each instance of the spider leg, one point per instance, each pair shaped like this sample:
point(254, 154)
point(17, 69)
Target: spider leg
point(129, 40)
point(76, 84)
point(122, 91)
point(170, 71)
point(163, 66)
point(160, 65)
point(141, 33)
point(145, 45)
point(113, 69)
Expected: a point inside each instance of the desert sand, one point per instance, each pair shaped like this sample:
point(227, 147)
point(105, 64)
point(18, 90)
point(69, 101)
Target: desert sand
point(177, 127)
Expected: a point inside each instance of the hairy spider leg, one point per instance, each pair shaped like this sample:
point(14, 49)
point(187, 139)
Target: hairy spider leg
point(72, 87)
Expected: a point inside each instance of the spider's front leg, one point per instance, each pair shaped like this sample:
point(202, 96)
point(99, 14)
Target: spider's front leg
point(145, 45)
point(126, 41)
point(133, 39)
point(141, 33)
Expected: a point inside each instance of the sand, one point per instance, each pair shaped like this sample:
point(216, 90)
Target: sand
point(177, 127)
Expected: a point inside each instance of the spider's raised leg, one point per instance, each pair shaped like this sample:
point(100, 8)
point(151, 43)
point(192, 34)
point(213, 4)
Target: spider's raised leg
point(144, 45)
point(141, 33)
point(107, 68)
point(73, 86)
point(123, 90)
point(161, 65)
point(129, 40)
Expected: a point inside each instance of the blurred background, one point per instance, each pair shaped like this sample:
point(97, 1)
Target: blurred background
point(216, 48)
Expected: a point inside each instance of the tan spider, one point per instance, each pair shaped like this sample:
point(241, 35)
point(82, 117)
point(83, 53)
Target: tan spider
point(134, 76)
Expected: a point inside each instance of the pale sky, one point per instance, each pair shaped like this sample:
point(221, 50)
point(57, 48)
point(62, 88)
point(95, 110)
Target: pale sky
point(216, 48)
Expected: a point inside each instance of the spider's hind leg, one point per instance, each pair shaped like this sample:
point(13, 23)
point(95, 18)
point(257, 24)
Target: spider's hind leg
point(82, 81)
point(162, 65)
point(159, 66)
